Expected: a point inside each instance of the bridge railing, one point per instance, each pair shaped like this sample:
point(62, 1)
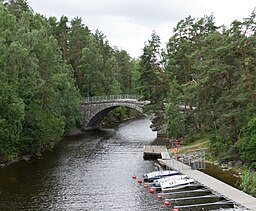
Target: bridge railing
point(111, 97)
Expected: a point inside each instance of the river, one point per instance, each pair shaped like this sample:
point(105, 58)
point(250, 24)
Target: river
point(92, 171)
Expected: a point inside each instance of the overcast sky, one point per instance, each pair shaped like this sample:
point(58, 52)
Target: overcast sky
point(129, 23)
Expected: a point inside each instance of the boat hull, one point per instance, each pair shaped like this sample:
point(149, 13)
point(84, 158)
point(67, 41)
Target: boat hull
point(150, 177)
point(178, 184)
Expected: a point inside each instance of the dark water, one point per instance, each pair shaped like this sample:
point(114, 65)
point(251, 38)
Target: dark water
point(87, 172)
point(228, 176)
point(92, 171)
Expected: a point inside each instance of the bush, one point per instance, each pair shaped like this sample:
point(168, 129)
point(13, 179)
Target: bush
point(219, 148)
point(248, 182)
point(247, 142)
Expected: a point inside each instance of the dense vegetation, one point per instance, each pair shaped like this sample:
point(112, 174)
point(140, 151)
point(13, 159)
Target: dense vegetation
point(205, 84)
point(202, 84)
point(213, 72)
point(46, 67)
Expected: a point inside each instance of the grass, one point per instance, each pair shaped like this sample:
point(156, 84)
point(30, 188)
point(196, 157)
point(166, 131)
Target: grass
point(200, 144)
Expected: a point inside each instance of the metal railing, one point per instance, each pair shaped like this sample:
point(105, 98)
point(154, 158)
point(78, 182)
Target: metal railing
point(195, 160)
point(111, 97)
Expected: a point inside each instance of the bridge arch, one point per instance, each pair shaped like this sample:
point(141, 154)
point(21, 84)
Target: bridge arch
point(95, 109)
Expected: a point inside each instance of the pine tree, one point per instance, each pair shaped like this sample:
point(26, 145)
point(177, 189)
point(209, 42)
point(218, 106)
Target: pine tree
point(184, 56)
point(78, 40)
point(153, 80)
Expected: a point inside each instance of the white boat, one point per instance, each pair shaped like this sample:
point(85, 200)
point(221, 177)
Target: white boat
point(158, 182)
point(159, 174)
point(176, 184)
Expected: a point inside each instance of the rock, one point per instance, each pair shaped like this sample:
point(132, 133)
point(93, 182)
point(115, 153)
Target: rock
point(2, 165)
point(231, 163)
point(25, 157)
point(238, 163)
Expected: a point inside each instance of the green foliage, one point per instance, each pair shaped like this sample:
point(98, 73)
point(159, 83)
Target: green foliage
point(222, 149)
point(153, 81)
point(45, 67)
point(248, 182)
point(91, 65)
point(123, 71)
point(214, 72)
point(42, 129)
point(247, 142)
point(118, 115)
point(11, 118)
point(184, 55)
point(135, 76)
point(78, 38)
point(39, 100)
point(172, 122)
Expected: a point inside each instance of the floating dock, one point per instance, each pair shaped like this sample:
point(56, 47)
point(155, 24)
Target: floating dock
point(242, 199)
point(154, 151)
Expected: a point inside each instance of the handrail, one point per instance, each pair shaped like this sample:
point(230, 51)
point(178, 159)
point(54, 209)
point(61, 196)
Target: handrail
point(110, 97)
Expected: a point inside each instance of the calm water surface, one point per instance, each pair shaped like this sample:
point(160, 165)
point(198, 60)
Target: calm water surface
point(87, 172)
point(92, 171)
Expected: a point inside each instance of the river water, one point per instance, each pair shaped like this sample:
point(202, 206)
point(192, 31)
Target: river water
point(92, 171)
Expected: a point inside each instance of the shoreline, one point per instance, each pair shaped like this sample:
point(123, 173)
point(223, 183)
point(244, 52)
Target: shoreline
point(27, 157)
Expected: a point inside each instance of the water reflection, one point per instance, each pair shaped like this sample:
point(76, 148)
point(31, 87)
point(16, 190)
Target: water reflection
point(87, 172)
point(92, 171)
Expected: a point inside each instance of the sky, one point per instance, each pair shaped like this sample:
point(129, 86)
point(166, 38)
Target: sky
point(128, 24)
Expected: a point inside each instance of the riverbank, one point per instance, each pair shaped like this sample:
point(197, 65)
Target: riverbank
point(16, 160)
point(91, 171)
point(27, 157)
point(232, 172)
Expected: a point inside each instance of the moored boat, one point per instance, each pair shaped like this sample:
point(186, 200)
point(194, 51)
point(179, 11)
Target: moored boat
point(176, 184)
point(159, 174)
point(172, 178)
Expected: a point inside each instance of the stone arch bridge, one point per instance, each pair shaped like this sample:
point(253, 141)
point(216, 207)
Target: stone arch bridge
point(94, 109)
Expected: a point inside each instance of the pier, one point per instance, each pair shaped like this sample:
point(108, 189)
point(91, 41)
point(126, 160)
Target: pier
point(216, 186)
point(154, 151)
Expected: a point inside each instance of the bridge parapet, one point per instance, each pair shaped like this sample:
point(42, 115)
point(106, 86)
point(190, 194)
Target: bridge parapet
point(108, 98)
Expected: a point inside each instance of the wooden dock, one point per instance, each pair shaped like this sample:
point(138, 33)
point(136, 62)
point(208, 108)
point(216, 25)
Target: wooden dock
point(215, 185)
point(153, 151)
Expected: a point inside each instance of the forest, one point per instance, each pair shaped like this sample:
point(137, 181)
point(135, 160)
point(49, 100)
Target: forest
point(202, 84)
